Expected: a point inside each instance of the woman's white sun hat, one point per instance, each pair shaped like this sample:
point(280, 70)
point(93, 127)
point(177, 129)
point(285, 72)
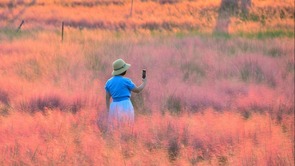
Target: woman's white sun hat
point(119, 66)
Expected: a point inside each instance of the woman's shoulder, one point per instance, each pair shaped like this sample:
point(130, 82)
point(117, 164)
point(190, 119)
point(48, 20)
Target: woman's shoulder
point(127, 79)
point(118, 79)
point(109, 79)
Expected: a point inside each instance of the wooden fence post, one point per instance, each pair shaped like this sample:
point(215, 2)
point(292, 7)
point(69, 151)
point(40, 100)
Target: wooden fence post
point(19, 27)
point(131, 8)
point(62, 31)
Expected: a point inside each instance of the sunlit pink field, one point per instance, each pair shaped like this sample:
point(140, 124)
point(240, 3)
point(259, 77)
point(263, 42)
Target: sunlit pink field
point(210, 99)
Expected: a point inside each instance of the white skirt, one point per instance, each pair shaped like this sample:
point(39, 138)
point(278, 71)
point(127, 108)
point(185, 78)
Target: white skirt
point(121, 114)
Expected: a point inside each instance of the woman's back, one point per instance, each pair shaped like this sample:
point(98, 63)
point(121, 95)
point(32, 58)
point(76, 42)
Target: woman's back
point(119, 88)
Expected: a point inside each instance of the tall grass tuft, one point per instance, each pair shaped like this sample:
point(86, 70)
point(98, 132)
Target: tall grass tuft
point(173, 148)
point(4, 103)
point(43, 103)
point(29, 70)
point(193, 71)
point(139, 104)
point(174, 105)
point(4, 98)
point(52, 102)
point(256, 69)
point(275, 52)
point(251, 72)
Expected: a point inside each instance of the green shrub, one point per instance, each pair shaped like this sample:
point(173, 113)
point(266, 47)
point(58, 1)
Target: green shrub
point(275, 52)
point(251, 72)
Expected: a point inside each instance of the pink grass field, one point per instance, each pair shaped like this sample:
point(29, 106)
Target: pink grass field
point(211, 99)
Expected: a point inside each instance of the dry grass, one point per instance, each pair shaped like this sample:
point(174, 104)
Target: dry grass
point(220, 100)
point(208, 138)
point(211, 99)
point(203, 16)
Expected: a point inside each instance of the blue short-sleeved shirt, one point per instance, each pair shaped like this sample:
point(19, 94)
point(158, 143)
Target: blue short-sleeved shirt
point(119, 87)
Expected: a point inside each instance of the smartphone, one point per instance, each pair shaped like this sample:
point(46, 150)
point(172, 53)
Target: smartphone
point(143, 73)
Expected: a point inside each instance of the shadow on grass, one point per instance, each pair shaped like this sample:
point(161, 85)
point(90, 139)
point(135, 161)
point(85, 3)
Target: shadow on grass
point(52, 102)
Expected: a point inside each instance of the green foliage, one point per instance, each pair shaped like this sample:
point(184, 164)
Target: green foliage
point(221, 35)
point(251, 72)
point(254, 17)
point(267, 34)
point(7, 33)
point(274, 34)
point(180, 35)
point(275, 52)
point(12, 34)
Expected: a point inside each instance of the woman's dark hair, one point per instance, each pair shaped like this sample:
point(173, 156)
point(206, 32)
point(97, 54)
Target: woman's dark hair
point(122, 74)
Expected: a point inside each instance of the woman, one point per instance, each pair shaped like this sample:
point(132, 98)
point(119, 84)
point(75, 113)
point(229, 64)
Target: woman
point(121, 111)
